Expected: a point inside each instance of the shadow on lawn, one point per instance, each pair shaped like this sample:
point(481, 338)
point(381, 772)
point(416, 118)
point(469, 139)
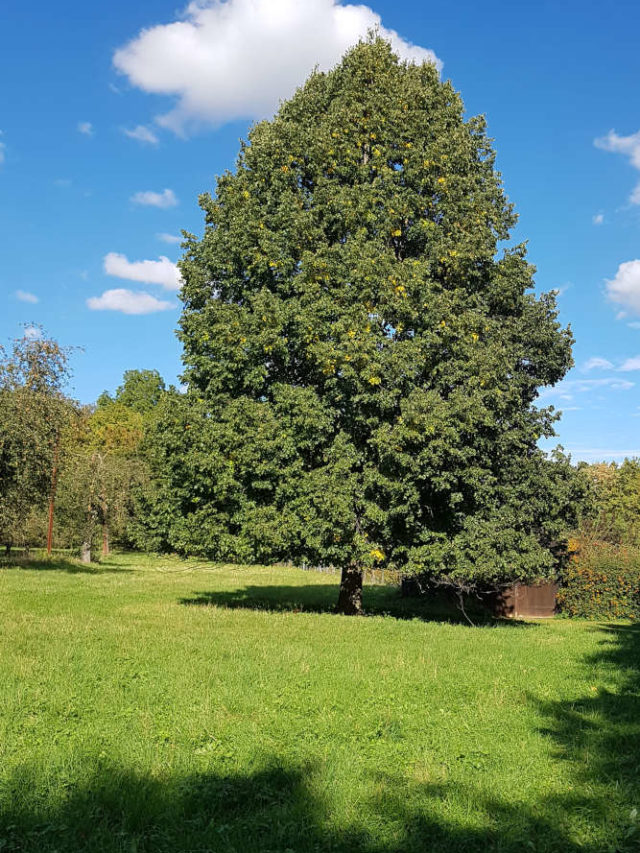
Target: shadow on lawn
point(106, 809)
point(276, 809)
point(600, 734)
point(378, 601)
point(59, 565)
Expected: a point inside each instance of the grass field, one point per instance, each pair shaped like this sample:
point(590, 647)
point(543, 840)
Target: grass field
point(155, 705)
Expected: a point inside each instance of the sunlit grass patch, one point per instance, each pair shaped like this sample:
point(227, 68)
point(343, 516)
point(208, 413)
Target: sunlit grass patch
point(165, 705)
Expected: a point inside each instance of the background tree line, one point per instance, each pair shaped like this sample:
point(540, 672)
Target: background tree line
point(70, 474)
point(123, 471)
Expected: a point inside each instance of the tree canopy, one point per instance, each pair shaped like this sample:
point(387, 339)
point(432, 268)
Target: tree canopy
point(362, 362)
point(34, 413)
point(141, 390)
point(103, 467)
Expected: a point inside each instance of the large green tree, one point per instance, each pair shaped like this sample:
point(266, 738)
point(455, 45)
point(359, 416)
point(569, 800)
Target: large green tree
point(362, 362)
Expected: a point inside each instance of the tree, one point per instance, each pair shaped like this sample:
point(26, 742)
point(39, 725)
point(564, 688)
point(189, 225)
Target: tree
point(362, 366)
point(614, 514)
point(141, 390)
point(102, 468)
point(107, 472)
point(33, 414)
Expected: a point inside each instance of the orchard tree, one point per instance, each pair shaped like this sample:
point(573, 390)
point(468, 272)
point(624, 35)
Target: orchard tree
point(102, 468)
point(130, 417)
point(362, 362)
point(34, 413)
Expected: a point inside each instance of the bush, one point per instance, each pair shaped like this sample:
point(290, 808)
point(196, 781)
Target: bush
point(601, 581)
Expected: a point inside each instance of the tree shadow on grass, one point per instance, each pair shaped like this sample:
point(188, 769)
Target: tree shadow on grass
point(97, 807)
point(112, 810)
point(378, 601)
point(57, 564)
point(600, 733)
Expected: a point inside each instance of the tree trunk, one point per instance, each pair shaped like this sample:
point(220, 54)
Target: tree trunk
point(350, 597)
point(105, 539)
point(104, 518)
point(85, 552)
point(7, 549)
point(52, 495)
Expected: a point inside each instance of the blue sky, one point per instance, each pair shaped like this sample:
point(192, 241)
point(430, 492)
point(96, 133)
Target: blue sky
point(114, 117)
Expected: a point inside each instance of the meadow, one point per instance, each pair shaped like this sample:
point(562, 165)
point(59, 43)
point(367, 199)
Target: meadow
point(154, 704)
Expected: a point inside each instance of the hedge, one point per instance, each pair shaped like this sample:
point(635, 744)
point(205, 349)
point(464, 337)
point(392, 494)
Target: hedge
point(601, 581)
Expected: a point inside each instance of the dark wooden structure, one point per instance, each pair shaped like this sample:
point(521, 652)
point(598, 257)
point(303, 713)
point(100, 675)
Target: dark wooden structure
point(516, 601)
point(536, 601)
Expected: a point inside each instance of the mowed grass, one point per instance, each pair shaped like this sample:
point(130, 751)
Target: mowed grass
point(158, 705)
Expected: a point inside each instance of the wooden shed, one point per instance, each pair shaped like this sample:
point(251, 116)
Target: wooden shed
point(526, 600)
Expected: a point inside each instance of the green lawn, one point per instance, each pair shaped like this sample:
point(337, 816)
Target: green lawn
point(155, 705)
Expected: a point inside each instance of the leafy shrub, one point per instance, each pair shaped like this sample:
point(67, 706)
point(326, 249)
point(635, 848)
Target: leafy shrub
point(601, 581)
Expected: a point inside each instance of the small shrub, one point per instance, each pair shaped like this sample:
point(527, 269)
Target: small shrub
point(601, 581)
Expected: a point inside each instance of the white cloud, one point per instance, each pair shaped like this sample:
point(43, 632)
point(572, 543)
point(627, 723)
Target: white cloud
point(598, 219)
point(629, 146)
point(568, 387)
point(229, 59)
point(86, 128)
point(624, 288)
point(142, 133)
point(597, 363)
point(631, 364)
point(162, 272)
point(148, 198)
point(24, 296)
point(128, 302)
point(169, 238)
point(33, 333)
point(600, 455)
